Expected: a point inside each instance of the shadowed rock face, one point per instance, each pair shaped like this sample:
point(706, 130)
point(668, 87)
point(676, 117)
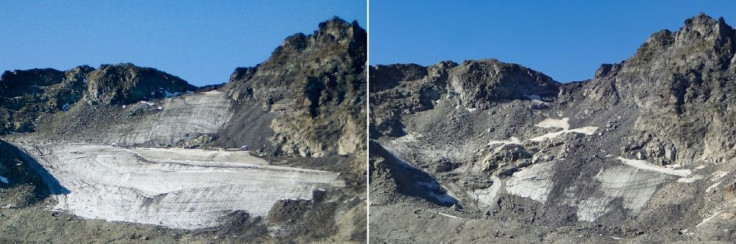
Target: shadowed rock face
point(28, 94)
point(300, 114)
point(640, 151)
point(23, 178)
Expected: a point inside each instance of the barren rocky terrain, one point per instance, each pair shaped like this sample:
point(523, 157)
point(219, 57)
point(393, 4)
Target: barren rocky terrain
point(485, 151)
point(122, 153)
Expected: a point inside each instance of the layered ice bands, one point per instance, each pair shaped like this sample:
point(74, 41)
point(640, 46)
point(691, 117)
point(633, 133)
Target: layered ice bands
point(177, 188)
point(179, 118)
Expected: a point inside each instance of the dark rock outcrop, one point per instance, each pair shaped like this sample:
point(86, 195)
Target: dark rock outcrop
point(27, 94)
point(127, 83)
point(315, 86)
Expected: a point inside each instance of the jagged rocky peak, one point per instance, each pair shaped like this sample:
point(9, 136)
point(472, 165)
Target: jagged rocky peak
point(336, 48)
point(704, 27)
point(314, 83)
point(323, 47)
point(126, 83)
point(480, 83)
point(332, 31)
point(677, 81)
point(327, 60)
point(672, 68)
point(701, 40)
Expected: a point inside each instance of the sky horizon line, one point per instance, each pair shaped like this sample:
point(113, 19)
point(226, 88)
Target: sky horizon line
point(97, 66)
point(571, 81)
point(200, 42)
point(566, 41)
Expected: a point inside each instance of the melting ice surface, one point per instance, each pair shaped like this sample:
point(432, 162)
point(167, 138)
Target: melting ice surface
point(177, 188)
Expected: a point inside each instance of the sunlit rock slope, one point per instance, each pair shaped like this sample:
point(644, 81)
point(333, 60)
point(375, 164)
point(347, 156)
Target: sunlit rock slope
point(643, 151)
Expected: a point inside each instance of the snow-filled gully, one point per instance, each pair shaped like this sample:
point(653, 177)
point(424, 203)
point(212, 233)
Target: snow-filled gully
point(177, 188)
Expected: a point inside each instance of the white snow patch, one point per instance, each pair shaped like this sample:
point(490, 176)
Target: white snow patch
point(4, 180)
point(171, 94)
point(486, 197)
point(176, 188)
point(588, 130)
point(700, 167)
point(512, 140)
point(447, 215)
point(534, 97)
point(712, 188)
point(635, 187)
point(673, 166)
point(690, 179)
point(178, 119)
point(708, 219)
point(642, 164)
point(534, 182)
point(718, 175)
point(214, 92)
point(471, 109)
point(554, 123)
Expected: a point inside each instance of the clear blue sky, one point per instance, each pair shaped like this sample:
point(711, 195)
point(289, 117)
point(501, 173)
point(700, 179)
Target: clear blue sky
point(199, 41)
point(567, 40)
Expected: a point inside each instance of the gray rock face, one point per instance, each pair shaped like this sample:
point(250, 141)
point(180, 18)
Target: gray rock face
point(26, 95)
point(126, 83)
point(307, 100)
point(640, 151)
point(314, 86)
point(480, 83)
point(476, 84)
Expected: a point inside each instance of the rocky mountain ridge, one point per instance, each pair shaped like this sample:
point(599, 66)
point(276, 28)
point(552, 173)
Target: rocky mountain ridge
point(643, 151)
point(301, 111)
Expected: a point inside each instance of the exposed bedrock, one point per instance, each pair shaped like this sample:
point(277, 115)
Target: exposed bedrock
point(137, 145)
point(641, 150)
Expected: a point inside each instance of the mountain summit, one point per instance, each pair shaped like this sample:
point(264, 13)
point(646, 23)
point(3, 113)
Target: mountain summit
point(275, 154)
point(643, 151)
